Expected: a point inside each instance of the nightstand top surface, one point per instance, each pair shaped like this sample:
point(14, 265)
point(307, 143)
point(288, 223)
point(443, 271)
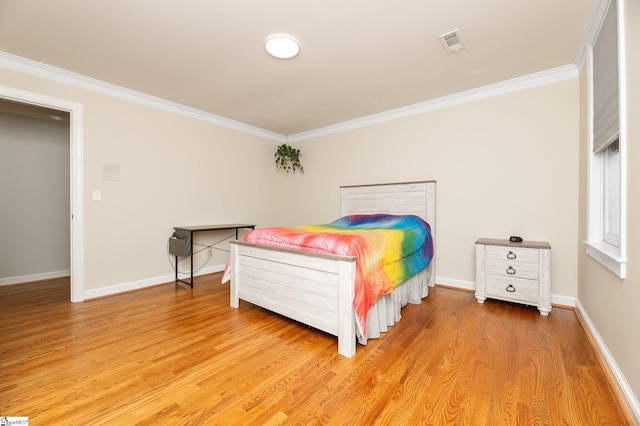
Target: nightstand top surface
point(507, 243)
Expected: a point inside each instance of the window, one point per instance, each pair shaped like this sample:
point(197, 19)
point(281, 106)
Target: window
point(606, 206)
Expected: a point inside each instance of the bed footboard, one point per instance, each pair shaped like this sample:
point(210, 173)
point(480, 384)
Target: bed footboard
point(313, 288)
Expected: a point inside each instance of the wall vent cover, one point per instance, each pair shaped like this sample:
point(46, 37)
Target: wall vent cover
point(452, 41)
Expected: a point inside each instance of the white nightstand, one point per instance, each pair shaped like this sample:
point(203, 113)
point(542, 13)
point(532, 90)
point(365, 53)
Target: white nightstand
point(515, 272)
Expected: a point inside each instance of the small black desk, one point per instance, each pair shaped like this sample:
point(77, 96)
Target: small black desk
point(192, 229)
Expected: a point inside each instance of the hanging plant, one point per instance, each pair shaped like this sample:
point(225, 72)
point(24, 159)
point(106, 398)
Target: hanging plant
point(288, 159)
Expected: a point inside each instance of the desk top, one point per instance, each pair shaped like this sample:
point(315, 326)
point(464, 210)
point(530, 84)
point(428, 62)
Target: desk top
point(213, 227)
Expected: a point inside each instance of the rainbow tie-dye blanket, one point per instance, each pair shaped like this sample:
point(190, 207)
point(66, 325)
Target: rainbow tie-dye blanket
point(390, 250)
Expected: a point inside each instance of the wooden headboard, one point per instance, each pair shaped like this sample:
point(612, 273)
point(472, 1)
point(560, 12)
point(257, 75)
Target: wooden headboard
point(417, 198)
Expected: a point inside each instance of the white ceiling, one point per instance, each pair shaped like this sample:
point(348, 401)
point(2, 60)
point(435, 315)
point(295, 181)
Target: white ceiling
point(357, 58)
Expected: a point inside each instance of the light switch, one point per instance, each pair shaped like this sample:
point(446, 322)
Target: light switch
point(97, 195)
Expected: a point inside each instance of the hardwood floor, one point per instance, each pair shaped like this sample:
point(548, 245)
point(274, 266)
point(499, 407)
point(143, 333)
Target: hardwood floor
point(174, 356)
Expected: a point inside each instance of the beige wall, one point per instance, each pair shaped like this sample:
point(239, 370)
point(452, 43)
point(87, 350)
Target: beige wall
point(175, 170)
point(612, 303)
point(506, 165)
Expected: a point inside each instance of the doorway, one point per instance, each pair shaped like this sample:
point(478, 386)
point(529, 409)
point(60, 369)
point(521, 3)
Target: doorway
point(76, 237)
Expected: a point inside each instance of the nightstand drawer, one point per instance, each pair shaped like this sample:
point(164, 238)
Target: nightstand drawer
point(515, 289)
point(512, 269)
point(516, 254)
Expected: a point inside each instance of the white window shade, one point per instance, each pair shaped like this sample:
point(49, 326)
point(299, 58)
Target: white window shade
point(606, 113)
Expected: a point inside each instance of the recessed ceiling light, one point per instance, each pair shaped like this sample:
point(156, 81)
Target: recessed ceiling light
point(282, 46)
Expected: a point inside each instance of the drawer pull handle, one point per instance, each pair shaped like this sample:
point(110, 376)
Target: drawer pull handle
point(510, 288)
point(511, 271)
point(511, 255)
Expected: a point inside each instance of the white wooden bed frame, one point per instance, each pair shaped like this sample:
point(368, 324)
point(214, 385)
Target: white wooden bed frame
point(314, 288)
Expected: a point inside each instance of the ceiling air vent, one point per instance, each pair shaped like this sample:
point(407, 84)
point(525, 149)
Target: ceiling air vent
point(452, 41)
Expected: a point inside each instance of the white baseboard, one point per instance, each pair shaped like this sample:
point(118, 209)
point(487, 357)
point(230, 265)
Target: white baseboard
point(455, 283)
point(35, 277)
point(632, 403)
point(560, 300)
point(149, 282)
point(556, 299)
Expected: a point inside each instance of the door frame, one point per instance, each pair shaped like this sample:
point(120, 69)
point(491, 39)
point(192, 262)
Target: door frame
point(76, 145)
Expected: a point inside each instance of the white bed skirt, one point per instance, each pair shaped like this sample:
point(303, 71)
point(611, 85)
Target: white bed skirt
point(386, 311)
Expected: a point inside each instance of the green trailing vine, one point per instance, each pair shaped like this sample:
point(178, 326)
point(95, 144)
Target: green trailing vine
point(288, 159)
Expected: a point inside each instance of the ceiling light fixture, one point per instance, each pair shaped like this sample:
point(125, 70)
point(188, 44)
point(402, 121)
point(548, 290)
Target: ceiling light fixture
point(282, 46)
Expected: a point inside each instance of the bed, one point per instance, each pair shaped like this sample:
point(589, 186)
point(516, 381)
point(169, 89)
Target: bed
point(317, 289)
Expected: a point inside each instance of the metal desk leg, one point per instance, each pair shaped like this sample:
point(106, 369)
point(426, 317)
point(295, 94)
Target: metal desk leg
point(191, 239)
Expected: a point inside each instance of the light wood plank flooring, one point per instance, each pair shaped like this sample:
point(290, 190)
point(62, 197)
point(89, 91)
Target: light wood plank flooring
point(169, 355)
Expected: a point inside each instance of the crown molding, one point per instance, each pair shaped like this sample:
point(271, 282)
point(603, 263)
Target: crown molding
point(593, 28)
point(59, 75)
point(38, 69)
point(508, 86)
